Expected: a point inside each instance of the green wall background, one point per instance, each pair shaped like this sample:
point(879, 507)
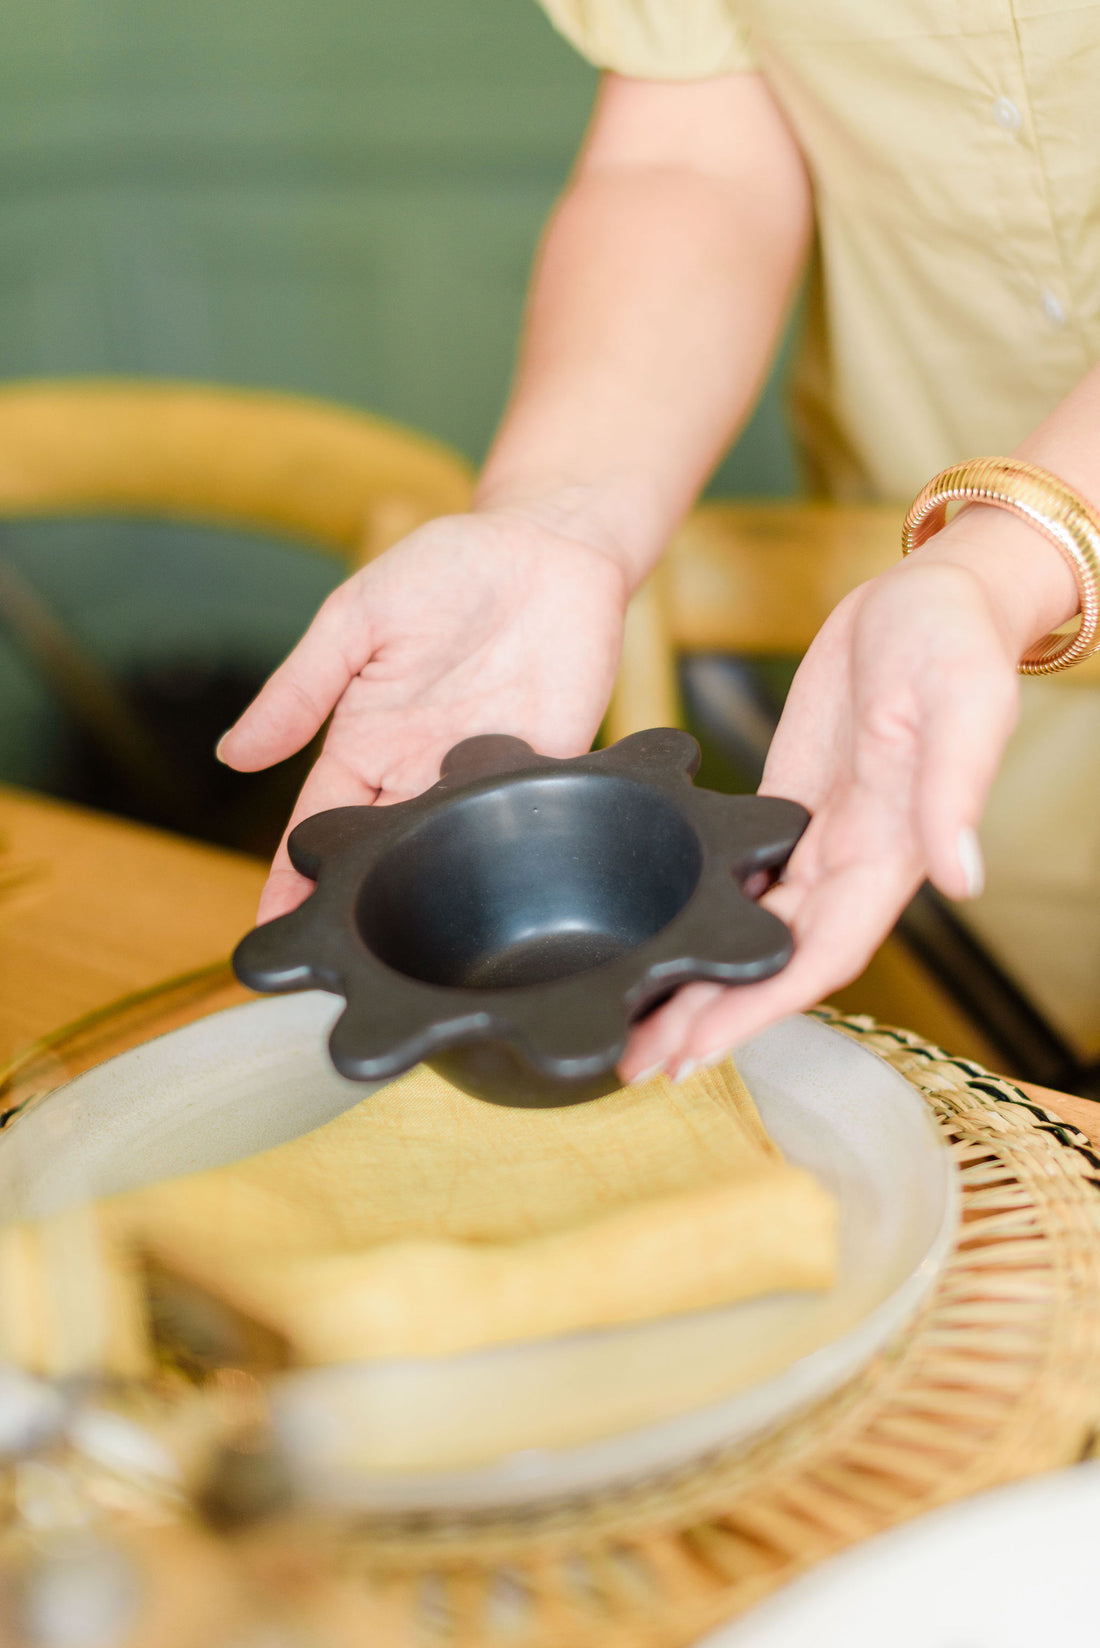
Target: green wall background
point(339, 197)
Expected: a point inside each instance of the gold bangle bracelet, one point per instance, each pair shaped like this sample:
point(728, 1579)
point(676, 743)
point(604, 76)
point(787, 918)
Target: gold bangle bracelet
point(1053, 509)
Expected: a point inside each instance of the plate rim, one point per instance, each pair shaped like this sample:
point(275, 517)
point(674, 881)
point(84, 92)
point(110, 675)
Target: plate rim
point(514, 1477)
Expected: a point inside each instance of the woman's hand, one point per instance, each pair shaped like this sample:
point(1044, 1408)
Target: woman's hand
point(891, 736)
point(478, 623)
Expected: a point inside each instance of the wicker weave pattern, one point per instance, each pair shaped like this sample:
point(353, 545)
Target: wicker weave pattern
point(999, 1379)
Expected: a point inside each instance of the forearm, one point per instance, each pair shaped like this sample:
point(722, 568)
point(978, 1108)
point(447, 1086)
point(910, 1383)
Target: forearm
point(659, 294)
point(1032, 586)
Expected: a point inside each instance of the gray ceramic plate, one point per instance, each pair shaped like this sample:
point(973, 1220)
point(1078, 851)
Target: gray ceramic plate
point(509, 1426)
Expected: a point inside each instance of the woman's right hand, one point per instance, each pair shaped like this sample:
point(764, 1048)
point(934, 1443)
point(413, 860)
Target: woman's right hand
point(488, 622)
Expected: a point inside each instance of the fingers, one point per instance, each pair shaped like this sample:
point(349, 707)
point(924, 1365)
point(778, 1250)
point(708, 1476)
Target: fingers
point(935, 697)
point(852, 874)
point(964, 739)
point(838, 928)
point(810, 744)
point(655, 1041)
point(333, 782)
point(892, 735)
point(293, 705)
point(838, 923)
point(330, 784)
point(284, 888)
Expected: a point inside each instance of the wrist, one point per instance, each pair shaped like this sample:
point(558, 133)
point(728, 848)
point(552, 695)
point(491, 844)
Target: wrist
point(1028, 584)
point(578, 515)
point(592, 515)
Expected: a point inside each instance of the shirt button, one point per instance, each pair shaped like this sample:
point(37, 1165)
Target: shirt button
point(1053, 308)
point(1007, 115)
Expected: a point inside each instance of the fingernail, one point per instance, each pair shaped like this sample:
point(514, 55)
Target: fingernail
point(647, 1075)
point(219, 746)
point(688, 1068)
point(712, 1059)
point(971, 861)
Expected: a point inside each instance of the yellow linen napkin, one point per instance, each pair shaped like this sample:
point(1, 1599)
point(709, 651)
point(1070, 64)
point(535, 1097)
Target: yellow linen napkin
point(424, 1222)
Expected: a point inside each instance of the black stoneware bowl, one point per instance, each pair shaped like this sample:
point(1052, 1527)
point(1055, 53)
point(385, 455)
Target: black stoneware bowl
point(511, 923)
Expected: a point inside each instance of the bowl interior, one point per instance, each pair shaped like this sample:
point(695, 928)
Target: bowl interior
point(533, 881)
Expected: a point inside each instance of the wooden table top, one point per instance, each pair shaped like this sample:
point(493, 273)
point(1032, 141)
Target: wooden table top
point(93, 908)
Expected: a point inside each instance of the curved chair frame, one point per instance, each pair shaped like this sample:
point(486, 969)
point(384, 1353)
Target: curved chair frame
point(340, 480)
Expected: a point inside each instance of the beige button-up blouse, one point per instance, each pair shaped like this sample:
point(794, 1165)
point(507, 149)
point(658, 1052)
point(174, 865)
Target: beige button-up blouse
point(954, 147)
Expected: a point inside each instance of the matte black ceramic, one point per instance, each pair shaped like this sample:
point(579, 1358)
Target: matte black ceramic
point(509, 924)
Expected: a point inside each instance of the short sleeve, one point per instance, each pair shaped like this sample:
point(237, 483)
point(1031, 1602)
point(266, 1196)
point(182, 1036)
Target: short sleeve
point(656, 39)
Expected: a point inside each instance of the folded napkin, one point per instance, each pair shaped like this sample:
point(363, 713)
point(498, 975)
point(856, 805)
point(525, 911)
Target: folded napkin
point(424, 1222)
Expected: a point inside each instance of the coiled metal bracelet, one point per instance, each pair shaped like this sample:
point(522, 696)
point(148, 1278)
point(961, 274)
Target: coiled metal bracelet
point(1048, 505)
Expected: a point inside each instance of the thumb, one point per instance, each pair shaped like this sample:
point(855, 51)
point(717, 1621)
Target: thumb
point(294, 704)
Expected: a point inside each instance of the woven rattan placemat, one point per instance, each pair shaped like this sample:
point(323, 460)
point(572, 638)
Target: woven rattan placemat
point(997, 1378)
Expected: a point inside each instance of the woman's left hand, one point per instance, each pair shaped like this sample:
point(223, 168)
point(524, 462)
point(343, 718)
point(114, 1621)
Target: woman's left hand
point(891, 736)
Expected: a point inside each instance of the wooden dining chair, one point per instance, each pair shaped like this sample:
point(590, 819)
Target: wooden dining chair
point(746, 582)
point(332, 478)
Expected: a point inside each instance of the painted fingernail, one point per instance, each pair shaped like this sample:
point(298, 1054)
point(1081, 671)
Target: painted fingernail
point(688, 1068)
point(971, 861)
point(647, 1075)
